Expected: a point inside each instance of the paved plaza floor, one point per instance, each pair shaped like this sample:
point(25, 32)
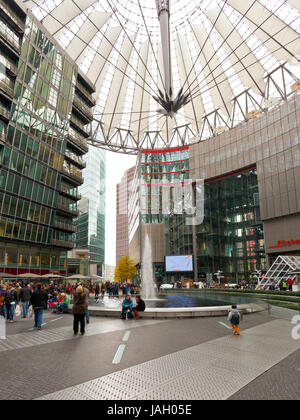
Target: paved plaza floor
point(178, 359)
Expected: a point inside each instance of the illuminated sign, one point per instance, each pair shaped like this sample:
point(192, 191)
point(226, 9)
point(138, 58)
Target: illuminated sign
point(281, 244)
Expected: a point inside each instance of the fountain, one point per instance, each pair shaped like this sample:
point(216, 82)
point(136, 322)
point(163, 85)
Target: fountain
point(148, 286)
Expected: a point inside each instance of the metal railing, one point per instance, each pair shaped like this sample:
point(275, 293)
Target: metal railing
point(64, 244)
point(87, 94)
point(13, 16)
point(65, 226)
point(8, 64)
point(76, 159)
point(80, 125)
point(78, 141)
point(7, 86)
point(75, 175)
point(13, 41)
point(86, 111)
point(66, 208)
point(66, 192)
point(4, 112)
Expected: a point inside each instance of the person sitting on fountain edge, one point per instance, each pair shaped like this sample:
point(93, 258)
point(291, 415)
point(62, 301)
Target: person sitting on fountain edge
point(127, 305)
point(140, 306)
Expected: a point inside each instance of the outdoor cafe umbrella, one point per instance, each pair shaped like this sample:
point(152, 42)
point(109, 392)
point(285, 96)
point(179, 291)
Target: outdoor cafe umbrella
point(52, 276)
point(78, 276)
point(95, 277)
point(7, 275)
point(29, 276)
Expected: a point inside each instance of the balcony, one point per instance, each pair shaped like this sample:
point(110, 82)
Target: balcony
point(77, 141)
point(2, 138)
point(62, 244)
point(4, 113)
point(66, 209)
point(73, 176)
point(66, 193)
point(84, 110)
point(65, 226)
point(75, 159)
point(80, 126)
point(88, 96)
point(7, 87)
point(11, 18)
point(12, 41)
point(10, 67)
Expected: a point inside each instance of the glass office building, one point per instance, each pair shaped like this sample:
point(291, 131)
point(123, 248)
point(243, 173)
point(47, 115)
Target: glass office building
point(42, 143)
point(90, 234)
point(231, 237)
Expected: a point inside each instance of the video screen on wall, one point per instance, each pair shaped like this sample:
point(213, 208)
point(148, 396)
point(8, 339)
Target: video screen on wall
point(182, 263)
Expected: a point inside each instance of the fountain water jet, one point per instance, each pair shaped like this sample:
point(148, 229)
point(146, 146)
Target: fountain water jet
point(148, 286)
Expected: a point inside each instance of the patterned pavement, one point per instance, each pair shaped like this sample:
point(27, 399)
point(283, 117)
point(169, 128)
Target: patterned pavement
point(187, 359)
point(211, 371)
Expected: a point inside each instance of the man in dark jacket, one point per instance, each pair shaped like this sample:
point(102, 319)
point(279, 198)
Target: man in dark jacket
point(140, 307)
point(11, 300)
point(24, 298)
point(80, 305)
point(38, 301)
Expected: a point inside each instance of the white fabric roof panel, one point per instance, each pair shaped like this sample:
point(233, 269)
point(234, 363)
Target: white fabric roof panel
point(220, 89)
point(115, 102)
point(98, 35)
point(274, 34)
point(141, 101)
point(194, 111)
point(294, 3)
point(64, 13)
point(86, 34)
point(95, 73)
point(250, 71)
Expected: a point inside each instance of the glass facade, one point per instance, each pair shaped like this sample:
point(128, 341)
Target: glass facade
point(40, 164)
point(161, 173)
point(231, 237)
point(33, 259)
point(90, 232)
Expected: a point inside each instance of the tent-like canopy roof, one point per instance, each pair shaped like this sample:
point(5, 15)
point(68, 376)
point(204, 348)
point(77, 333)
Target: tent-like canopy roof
point(218, 50)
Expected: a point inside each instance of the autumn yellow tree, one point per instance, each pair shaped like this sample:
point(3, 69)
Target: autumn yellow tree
point(125, 270)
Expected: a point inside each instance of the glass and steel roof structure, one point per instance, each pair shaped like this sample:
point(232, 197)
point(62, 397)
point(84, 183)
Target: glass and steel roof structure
point(171, 72)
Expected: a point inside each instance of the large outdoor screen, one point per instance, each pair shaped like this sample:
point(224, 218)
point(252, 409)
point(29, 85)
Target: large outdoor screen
point(182, 263)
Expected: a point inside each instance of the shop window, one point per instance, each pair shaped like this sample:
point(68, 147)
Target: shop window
point(11, 256)
point(35, 257)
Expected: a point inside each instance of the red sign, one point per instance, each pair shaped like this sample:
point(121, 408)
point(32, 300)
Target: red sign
point(281, 244)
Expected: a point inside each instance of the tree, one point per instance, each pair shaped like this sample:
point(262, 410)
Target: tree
point(125, 270)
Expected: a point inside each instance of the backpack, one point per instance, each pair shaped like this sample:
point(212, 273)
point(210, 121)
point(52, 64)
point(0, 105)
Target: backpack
point(235, 320)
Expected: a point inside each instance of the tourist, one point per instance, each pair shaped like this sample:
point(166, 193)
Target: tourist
point(290, 283)
point(97, 291)
point(140, 307)
point(127, 306)
point(38, 301)
point(24, 298)
point(2, 300)
point(64, 304)
point(234, 319)
point(80, 305)
point(11, 299)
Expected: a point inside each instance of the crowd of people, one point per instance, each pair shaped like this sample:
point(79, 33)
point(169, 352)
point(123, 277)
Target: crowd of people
point(28, 299)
